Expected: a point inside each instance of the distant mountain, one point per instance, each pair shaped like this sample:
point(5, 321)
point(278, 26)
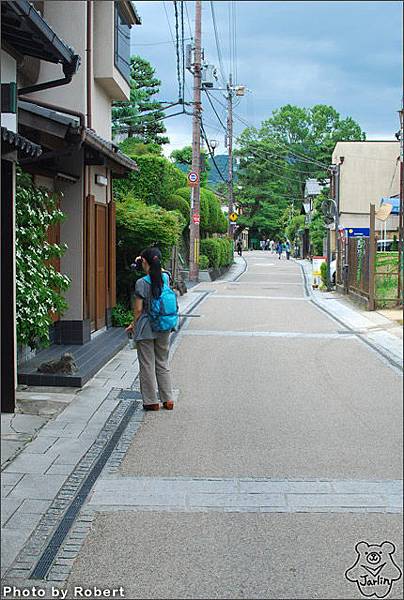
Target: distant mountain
point(221, 161)
point(222, 165)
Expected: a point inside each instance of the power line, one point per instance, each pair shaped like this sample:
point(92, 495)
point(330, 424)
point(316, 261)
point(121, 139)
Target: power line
point(154, 43)
point(205, 137)
point(177, 50)
point(215, 111)
point(189, 23)
point(183, 48)
point(302, 157)
point(219, 51)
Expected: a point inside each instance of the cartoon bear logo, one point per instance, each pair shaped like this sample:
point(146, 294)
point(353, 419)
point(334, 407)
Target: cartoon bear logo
point(374, 570)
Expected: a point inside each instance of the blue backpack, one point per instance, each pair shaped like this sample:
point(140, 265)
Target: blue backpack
point(163, 311)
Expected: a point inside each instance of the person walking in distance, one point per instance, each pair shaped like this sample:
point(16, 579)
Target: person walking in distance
point(240, 247)
point(279, 249)
point(287, 249)
point(152, 342)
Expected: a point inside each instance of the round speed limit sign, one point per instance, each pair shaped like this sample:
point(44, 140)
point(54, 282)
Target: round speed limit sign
point(193, 178)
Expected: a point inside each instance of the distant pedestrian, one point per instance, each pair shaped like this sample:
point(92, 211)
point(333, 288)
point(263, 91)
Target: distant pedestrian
point(297, 250)
point(262, 244)
point(272, 246)
point(240, 247)
point(267, 244)
point(287, 249)
point(279, 249)
point(151, 329)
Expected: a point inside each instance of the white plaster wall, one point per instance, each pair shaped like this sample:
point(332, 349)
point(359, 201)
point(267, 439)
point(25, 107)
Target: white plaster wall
point(69, 20)
point(8, 67)
point(102, 120)
point(72, 234)
point(100, 192)
point(8, 75)
point(370, 171)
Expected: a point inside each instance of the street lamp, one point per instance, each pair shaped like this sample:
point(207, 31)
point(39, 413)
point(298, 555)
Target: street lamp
point(213, 144)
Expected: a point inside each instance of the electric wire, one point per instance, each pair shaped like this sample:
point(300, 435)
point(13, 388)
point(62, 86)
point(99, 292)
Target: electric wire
point(211, 152)
point(214, 110)
point(189, 23)
point(219, 50)
point(183, 48)
point(301, 157)
point(177, 50)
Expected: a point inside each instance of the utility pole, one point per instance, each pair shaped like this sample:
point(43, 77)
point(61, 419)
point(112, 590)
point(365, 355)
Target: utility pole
point(230, 148)
point(400, 275)
point(196, 150)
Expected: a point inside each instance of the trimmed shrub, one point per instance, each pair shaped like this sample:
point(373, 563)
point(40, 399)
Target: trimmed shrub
point(139, 226)
point(156, 180)
point(177, 202)
point(203, 262)
point(212, 218)
point(219, 252)
point(324, 275)
point(211, 249)
point(121, 316)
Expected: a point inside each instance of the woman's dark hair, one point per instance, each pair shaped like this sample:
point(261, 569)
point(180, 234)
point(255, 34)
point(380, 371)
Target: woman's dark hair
point(152, 256)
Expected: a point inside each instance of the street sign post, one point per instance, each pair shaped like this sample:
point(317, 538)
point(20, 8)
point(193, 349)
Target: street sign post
point(193, 179)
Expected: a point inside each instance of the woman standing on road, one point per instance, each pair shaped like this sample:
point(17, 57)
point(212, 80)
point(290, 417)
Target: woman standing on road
point(279, 249)
point(152, 346)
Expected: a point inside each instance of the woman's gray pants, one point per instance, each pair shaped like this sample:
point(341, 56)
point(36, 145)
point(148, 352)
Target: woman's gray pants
point(153, 365)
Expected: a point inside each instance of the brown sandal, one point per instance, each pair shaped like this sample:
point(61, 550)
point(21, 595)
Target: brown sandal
point(151, 406)
point(168, 405)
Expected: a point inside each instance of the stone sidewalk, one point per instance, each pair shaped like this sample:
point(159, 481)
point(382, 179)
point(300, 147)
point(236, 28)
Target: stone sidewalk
point(374, 328)
point(43, 450)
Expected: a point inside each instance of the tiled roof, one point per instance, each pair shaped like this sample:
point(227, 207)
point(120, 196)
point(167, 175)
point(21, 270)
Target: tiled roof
point(19, 142)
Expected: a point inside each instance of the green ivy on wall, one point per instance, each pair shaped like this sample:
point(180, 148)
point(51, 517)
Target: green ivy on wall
point(38, 283)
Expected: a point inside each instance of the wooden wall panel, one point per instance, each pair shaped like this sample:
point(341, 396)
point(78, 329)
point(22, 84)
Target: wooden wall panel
point(90, 261)
point(100, 265)
point(112, 254)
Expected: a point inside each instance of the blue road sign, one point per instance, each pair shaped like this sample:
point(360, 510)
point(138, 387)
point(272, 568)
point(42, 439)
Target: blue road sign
point(358, 231)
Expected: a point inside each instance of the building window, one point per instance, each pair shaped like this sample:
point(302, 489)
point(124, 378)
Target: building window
point(122, 44)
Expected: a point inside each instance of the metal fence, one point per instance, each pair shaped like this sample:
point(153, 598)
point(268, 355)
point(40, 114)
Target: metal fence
point(359, 266)
point(386, 279)
point(374, 280)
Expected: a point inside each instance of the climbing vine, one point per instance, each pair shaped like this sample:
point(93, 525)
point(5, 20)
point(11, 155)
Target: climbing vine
point(38, 283)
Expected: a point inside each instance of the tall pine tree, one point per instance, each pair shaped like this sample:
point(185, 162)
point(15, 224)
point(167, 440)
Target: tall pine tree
point(142, 116)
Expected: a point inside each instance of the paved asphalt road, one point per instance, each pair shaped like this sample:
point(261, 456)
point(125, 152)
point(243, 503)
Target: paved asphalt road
point(275, 397)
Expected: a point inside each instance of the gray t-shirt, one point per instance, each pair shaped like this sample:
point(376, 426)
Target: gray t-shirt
point(143, 330)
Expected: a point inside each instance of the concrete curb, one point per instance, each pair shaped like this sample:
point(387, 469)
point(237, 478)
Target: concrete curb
point(388, 346)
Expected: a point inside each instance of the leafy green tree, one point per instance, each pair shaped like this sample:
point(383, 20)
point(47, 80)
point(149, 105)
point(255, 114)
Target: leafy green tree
point(156, 180)
point(140, 225)
point(293, 145)
point(142, 116)
point(182, 158)
point(295, 225)
point(39, 285)
point(317, 226)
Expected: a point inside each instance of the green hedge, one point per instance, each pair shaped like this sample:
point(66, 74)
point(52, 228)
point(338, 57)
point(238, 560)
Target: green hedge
point(177, 202)
point(203, 262)
point(212, 217)
point(138, 226)
point(219, 252)
point(156, 180)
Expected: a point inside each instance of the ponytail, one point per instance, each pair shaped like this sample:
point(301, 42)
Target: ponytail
point(153, 257)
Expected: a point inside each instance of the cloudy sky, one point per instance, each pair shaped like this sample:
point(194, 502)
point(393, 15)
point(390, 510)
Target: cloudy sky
point(346, 54)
